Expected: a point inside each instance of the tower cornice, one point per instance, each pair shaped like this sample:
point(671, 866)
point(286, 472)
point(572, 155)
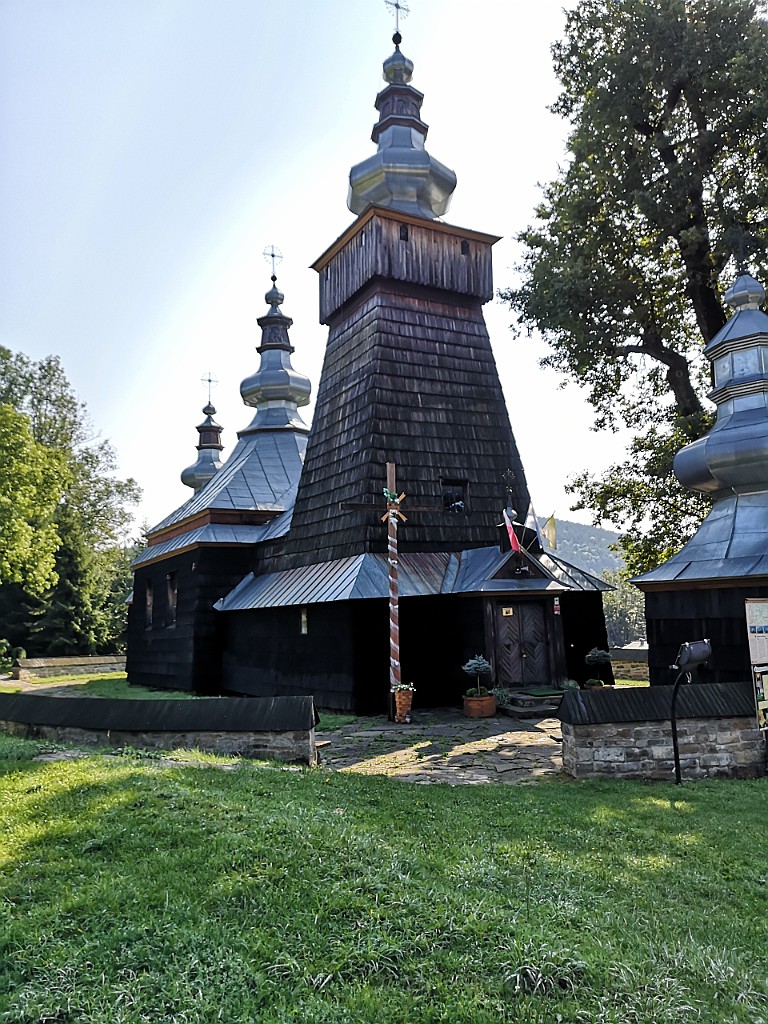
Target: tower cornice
point(392, 246)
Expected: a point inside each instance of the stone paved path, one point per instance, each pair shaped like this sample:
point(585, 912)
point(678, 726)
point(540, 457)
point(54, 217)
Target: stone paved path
point(442, 745)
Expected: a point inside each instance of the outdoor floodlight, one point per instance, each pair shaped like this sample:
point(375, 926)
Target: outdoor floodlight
point(692, 654)
point(688, 657)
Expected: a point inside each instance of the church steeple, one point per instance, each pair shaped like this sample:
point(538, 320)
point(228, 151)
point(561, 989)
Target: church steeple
point(275, 390)
point(207, 464)
point(401, 175)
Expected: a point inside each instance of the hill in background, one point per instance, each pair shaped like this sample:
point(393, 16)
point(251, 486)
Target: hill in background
point(588, 547)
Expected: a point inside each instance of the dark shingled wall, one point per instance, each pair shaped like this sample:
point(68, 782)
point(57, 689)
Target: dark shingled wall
point(187, 654)
point(674, 617)
point(409, 377)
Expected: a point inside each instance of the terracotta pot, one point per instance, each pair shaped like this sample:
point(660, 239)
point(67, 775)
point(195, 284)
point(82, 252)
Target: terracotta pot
point(480, 707)
point(403, 704)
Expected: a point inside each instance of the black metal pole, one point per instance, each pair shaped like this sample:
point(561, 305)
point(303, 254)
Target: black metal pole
point(678, 778)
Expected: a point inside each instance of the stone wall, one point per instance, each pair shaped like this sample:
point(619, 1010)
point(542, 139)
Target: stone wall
point(709, 747)
point(296, 746)
point(43, 668)
point(629, 670)
point(630, 663)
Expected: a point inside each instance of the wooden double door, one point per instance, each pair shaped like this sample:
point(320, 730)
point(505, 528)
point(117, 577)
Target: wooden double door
point(521, 643)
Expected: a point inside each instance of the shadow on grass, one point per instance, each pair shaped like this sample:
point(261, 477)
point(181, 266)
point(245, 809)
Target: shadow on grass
point(152, 892)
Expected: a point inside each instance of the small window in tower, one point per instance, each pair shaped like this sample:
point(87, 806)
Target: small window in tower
point(464, 247)
point(304, 628)
point(149, 597)
point(455, 496)
point(172, 588)
point(403, 232)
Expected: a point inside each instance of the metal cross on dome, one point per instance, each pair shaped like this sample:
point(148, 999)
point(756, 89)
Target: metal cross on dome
point(400, 9)
point(210, 380)
point(272, 253)
point(742, 244)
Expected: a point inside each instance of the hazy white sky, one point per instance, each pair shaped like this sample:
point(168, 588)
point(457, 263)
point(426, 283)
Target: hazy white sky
point(153, 148)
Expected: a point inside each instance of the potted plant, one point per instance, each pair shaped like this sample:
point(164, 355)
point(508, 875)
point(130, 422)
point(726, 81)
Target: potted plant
point(600, 662)
point(593, 684)
point(478, 701)
point(403, 693)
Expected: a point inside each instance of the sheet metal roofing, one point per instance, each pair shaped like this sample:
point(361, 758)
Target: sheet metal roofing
point(729, 544)
point(365, 576)
point(262, 473)
point(654, 703)
point(216, 533)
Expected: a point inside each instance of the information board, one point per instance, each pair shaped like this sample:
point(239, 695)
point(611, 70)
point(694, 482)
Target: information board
point(757, 633)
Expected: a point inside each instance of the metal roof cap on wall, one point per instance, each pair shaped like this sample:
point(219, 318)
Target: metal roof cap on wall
point(654, 703)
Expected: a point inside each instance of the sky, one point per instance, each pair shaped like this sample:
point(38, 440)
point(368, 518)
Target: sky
point(152, 150)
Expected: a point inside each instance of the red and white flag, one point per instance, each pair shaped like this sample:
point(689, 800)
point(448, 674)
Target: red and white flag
point(514, 542)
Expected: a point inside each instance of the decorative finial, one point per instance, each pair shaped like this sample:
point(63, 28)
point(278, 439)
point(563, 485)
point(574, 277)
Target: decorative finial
point(273, 254)
point(210, 380)
point(399, 8)
point(743, 244)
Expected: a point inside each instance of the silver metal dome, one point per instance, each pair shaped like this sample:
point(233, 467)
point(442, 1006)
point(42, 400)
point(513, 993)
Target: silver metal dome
point(208, 463)
point(275, 390)
point(401, 175)
point(733, 457)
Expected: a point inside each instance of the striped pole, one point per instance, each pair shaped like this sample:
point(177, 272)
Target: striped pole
point(393, 513)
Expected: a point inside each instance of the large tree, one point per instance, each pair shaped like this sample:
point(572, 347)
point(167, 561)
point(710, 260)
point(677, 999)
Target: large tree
point(623, 271)
point(32, 480)
point(79, 613)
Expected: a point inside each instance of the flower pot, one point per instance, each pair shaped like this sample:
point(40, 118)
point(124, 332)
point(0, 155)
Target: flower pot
point(403, 704)
point(480, 707)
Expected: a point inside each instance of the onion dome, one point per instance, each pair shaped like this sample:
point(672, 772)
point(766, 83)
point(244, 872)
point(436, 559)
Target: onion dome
point(733, 457)
point(401, 175)
point(208, 464)
point(276, 390)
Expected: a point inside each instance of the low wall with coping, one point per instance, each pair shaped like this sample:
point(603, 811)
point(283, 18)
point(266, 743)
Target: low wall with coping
point(270, 728)
point(43, 668)
point(628, 734)
point(630, 663)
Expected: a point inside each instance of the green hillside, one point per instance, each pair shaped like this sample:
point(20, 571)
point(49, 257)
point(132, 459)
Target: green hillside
point(588, 547)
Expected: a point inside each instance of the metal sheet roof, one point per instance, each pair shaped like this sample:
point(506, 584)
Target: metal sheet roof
point(262, 473)
point(365, 576)
point(571, 574)
point(216, 533)
point(654, 703)
point(731, 543)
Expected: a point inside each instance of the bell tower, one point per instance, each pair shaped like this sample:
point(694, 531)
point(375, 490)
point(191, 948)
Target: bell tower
point(409, 376)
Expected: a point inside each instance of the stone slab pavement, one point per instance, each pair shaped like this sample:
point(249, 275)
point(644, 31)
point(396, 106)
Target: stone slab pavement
point(441, 745)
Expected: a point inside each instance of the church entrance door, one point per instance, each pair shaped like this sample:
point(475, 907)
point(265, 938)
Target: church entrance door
point(521, 645)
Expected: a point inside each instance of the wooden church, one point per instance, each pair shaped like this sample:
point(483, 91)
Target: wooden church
point(273, 578)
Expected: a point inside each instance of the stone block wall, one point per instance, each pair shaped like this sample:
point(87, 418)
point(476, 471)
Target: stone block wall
point(630, 663)
point(629, 669)
point(42, 668)
point(293, 746)
point(709, 747)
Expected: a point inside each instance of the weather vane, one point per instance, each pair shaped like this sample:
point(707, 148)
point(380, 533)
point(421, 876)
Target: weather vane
point(272, 253)
point(401, 10)
point(210, 380)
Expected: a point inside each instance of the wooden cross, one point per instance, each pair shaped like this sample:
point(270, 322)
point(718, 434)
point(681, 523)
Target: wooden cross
point(392, 517)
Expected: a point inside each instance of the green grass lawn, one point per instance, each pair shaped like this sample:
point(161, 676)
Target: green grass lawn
point(113, 684)
point(145, 892)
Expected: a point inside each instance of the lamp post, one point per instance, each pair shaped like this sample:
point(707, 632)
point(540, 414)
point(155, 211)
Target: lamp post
point(689, 657)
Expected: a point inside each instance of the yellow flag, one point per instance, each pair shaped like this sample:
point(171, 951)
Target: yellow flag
point(550, 532)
